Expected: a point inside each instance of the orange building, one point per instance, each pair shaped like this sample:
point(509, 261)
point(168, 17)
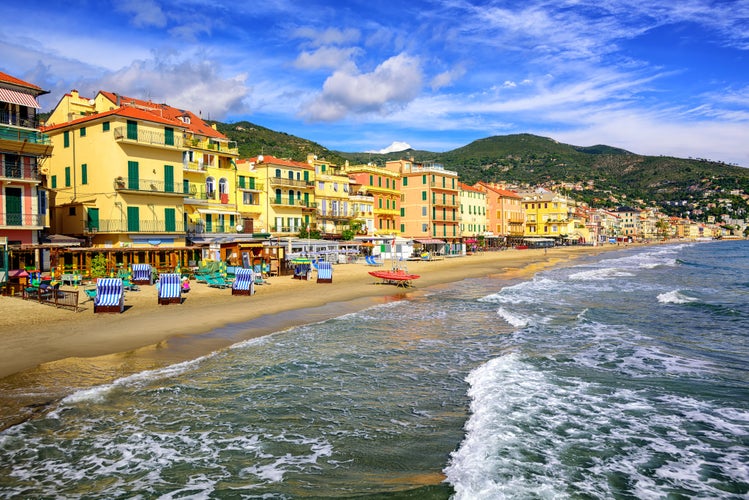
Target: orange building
point(380, 196)
point(505, 214)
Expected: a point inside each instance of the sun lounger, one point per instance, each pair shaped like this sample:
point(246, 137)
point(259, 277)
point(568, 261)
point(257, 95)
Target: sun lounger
point(325, 272)
point(216, 281)
point(110, 295)
point(170, 288)
point(244, 282)
point(371, 260)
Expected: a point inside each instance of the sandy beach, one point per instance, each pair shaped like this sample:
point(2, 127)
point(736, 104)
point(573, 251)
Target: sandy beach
point(43, 348)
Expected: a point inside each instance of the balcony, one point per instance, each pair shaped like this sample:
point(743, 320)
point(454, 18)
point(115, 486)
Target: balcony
point(304, 205)
point(148, 138)
point(25, 141)
point(338, 215)
point(153, 186)
point(206, 144)
point(23, 221)
point(213, 228)
point(257, 187)
point(194, 166)
point(15, 120)
point(281, 181)
point(140, 226)
point(18, 171)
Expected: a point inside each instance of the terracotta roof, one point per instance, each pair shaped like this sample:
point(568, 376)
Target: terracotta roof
point(126, 112)
point(281, 162)
point(466, 187)
point(196, 125)
point(501, 192)
point(6, 78)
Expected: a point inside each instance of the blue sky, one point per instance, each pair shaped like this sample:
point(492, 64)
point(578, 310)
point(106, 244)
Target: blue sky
point(653, 77)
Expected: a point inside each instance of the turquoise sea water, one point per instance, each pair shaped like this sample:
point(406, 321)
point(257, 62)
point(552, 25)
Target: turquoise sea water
point(620, 376)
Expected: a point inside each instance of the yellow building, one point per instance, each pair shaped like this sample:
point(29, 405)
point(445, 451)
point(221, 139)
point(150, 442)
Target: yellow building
point(547, 215)
point(250, 193)
point(378, 198)
point(288, 202)
point(335, 210)
point(430, 202)
point(115, 177)
point(472, 211)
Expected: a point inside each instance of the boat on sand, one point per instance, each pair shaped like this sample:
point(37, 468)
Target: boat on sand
point(397, 277)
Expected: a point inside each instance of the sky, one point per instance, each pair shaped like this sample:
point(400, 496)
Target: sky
point(654, 77)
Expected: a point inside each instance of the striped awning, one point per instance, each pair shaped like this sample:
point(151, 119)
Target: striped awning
point(15, 97)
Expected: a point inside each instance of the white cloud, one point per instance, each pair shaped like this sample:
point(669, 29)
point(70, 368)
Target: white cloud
point(395, 146)
point(326, 57)
point(392, 84)
point(330, 36)
point(145, 12)
point(446, 78)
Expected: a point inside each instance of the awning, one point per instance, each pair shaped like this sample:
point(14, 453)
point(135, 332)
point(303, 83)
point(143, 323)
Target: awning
point(16, 97)
point(430, 242)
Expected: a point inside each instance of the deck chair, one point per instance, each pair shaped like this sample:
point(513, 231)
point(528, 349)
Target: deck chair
point(215, 280)
point(257, 268)
point(372, 261)
point(244, 283)
point(90, 293)
point(325, 272)
point(170, 288)
point(110, 295)
point(142, 274)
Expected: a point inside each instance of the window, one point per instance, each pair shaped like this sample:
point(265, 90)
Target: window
point(84, 173)
point(424, 228)
point(223, 186)
point(83, 131)
point(405, 182)
point(168, 179)
point(371, 180)
point(170, 222)
point(210, 187)
point(133, 219)
point(248, 198)
point(424, 195)
point(54, 181)
point(424, 179)
point(278, 173)
point(67, 176)
point(66, 139)
point(133, 175)
point(132, 130)
point(105, 127)
point(71, 210)
point(241, 181)
point(169, 136)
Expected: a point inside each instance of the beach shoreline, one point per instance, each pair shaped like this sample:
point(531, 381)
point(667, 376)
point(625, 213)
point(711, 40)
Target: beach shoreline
point(47, 353)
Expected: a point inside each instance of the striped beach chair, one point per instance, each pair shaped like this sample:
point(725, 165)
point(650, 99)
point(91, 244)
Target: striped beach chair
point(170, 288)
point(142, 274)
point(244, 282)
point(324, 272)
point(110, 295)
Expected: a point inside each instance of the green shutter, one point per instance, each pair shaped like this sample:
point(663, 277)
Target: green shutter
point(424, 195)
point(132, 175)
point(169, 136)
point(241, 181)
point(54, 181)
point(84, 173)
point(170, 222)
point(66, 139)
point(252, 183)
point(405, 181)
point(67, 176)
point(133, 219)
point(13, 206)
point(208, 223)
point(132, 130)
point(105, 127)
point(168, 178)
point(83, 131)
point(93, 218)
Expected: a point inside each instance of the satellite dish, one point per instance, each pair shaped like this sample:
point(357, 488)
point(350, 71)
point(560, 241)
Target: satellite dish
point(260, 159)
point(91, 102)
point(239, 228)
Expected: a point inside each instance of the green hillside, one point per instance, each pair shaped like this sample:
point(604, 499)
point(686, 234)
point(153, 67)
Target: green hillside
point(604, 176)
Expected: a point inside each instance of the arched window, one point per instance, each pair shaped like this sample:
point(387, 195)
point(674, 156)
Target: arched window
point(291, 175)
point(223, 186)
point(210, 187)
point(278, 172)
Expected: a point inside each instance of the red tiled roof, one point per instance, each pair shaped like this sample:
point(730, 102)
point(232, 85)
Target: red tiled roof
point(466, 187)
point(196, 125)
point(127, 112)
point(6, 78)
point(282, 162)
point(501, 192)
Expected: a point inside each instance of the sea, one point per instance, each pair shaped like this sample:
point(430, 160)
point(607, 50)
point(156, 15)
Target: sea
point(620, 375)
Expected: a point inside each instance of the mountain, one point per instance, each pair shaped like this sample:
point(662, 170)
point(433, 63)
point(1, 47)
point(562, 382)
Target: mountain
point(600, 175)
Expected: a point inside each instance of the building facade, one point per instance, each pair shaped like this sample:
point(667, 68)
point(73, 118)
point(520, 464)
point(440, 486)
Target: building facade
point(472, 211)
point(547, 215)
point(381, 194)
point(334, 210)
point(23, 151)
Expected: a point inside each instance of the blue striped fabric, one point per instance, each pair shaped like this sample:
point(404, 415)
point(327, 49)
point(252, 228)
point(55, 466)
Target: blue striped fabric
point(109, 292)
point(141, 272)
point(244, 279)
point(170, 286)
point(324, 271)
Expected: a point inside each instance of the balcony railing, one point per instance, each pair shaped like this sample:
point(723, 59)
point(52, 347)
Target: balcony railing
point(17, 170)
point(282, 181)
point(140, 226)
point(211, 145)
point(213, 228)
point(22, 135)
point(259, 186)
point(340, 214)
point(297, 203)
point(148, 185)
point(13, 119)
point(23, 220)
point(148, 137)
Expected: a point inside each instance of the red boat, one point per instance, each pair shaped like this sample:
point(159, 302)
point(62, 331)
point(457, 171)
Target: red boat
point(395, 277)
